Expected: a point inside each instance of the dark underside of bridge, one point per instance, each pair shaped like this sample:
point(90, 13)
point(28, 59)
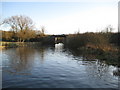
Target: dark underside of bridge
point(59, 38)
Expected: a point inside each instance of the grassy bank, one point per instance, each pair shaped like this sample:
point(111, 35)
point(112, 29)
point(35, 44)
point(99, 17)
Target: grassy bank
point(101, 46)
point(32, 42)
point(19, 44)
point(101, 41)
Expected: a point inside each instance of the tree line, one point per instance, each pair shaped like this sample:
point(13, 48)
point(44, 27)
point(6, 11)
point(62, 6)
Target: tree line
point(21, 29)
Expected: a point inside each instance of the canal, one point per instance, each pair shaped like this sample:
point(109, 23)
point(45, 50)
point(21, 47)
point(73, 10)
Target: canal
point(54, 67)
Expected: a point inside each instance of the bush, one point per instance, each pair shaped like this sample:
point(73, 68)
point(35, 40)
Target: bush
point(87, 39)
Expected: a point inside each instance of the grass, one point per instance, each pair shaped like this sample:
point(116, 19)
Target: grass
point(96, 44)
point(19, 44)
point(9, 44)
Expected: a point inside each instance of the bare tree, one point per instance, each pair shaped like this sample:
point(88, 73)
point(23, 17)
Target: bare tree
point(42, 31)
point(109, 28)
point(19, 23)
point(26, 35)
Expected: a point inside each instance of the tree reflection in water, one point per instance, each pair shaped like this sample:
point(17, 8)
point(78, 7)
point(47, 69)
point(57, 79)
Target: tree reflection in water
point(23, 58)
point(41, 52)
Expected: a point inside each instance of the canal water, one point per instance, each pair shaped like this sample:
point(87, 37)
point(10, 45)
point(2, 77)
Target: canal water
point(54, 67)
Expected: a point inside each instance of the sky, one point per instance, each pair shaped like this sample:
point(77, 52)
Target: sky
point(65, 17)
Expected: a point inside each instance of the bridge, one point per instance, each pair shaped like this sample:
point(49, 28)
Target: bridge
point(59, 38)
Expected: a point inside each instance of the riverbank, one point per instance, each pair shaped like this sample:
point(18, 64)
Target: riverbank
point(110, 56)
point(104, 46)
point(1, 47)
point(19, 44)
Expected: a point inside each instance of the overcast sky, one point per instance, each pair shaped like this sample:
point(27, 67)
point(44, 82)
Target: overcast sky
point(66, 17)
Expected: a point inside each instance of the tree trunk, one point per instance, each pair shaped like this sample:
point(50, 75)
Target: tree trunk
point(23, 40)
point(20, 40)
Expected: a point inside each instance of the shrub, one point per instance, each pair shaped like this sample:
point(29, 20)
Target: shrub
point(87, 39)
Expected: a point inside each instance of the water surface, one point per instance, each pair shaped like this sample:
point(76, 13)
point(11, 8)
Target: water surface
point(54, 67)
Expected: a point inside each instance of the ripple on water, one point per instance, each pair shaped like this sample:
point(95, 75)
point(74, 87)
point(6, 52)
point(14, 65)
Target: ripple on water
point(63, 75)
point(52, 69)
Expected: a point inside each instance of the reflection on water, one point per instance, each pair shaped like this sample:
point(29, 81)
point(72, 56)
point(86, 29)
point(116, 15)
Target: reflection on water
point(54, 67)
point(59, 46)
